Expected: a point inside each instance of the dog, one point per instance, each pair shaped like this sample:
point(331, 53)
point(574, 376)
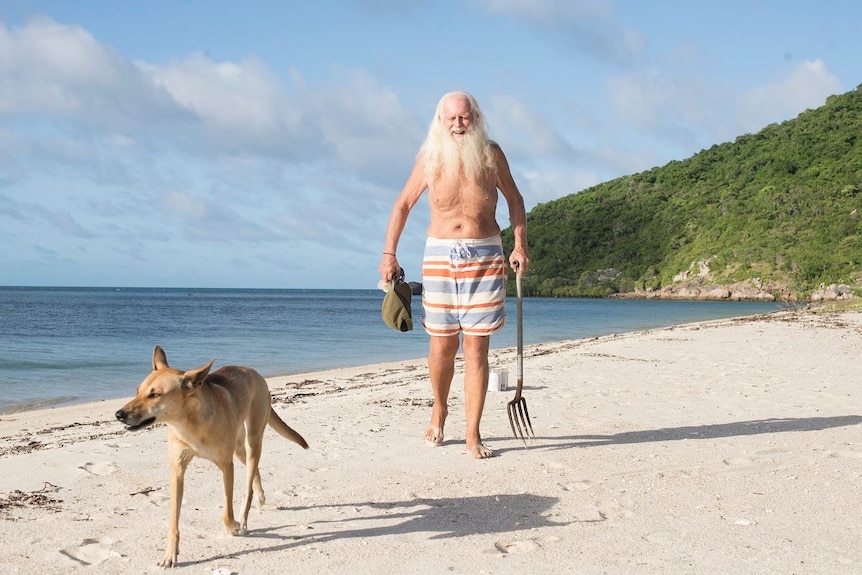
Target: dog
point(210, 415)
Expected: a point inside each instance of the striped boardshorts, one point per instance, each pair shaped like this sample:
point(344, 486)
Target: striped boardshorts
point(463, 286)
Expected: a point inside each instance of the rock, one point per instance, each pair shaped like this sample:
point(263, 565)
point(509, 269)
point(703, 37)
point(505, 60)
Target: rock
point(832, 293)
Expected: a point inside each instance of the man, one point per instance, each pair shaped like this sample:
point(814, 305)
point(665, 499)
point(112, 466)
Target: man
point(464, 270)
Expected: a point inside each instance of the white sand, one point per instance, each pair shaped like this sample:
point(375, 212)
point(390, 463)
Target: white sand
point(732, 446)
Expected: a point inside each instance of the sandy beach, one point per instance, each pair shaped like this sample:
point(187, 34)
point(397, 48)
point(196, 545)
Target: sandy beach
point(732, 446)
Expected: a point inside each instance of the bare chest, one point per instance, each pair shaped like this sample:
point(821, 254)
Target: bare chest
point(459, 195)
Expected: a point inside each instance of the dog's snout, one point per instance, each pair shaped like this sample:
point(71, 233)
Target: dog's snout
point(121, 415)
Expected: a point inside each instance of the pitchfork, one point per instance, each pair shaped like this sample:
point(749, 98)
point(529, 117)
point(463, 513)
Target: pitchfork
point(519, 417)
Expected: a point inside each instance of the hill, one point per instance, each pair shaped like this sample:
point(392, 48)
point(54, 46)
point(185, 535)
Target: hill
point(771, 215)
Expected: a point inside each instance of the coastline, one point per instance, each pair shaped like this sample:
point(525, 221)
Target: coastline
point(93, 355)
point(725, 446)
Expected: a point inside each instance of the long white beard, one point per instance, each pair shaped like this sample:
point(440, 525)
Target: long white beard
point(446, 155)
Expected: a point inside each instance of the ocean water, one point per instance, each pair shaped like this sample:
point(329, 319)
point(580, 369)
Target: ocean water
point(70, 345)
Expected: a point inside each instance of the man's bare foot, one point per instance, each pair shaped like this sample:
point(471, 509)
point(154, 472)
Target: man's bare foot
point(434, 436)
point(434, 433)
point(480, 451)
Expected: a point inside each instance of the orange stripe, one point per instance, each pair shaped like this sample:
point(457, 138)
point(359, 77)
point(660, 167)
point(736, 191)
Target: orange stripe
point(446, 264)
point(480, 273)
point(436, 305)
point(474, 331)
point(433, 331)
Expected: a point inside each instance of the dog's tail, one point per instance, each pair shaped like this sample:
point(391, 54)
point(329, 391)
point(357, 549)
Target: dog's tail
point(284, 429)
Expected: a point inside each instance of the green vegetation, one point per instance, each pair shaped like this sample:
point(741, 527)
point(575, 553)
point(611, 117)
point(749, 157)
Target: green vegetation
point(780, 207)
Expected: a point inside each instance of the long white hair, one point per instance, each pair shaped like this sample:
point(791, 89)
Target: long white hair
point(443, 155)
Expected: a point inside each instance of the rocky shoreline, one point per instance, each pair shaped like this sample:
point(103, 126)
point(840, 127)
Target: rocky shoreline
point(741, 291)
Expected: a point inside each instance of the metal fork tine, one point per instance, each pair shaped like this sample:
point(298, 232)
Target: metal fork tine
point(523, 418)
point(514, 423)
point(526, 417)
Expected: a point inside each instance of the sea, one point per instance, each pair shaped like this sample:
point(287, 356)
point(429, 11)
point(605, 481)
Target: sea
point(68, 345)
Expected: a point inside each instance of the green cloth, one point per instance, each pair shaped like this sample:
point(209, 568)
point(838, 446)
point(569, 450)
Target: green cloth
point(397, 312)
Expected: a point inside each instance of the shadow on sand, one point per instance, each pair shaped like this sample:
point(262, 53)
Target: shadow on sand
point(440, 518)
point(693, 432)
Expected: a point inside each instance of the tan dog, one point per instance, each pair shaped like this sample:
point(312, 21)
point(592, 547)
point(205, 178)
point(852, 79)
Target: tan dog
point(213, 416)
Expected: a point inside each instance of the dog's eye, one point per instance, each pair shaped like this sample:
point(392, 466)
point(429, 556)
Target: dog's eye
point(153, 395)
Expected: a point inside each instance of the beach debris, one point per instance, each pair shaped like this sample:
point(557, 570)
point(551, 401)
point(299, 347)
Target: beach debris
point(38, 499)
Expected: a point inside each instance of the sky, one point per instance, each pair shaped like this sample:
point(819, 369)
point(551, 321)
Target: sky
point(262, 143)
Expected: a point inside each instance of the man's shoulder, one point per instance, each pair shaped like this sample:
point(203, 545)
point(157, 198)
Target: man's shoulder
point(496, 150)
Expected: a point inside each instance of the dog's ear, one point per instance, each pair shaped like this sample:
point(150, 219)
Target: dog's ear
point(160, 360)
point(194, 377)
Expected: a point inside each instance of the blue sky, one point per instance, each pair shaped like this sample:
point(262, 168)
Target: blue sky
point(261, 143)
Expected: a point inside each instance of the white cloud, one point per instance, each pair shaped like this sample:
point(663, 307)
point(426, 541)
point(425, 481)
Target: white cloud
point(623, 160)
point(689, 112)
point(806, 87)
point(538, 186)
point(365, 125)
point(552, 11)
point(239, 98)
point(525, 131)
point(60, 72)
point(638, 99)
point(674, 105)
point(589, 26)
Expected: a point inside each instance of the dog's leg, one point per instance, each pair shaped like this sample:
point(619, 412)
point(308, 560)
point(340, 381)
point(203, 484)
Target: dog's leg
point(252, 477)
point(255, 426)
point(179, 463)
point(233, 528)
point(257, 486)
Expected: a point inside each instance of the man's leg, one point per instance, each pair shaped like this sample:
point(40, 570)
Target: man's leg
point(475, 388)
point(441, 368)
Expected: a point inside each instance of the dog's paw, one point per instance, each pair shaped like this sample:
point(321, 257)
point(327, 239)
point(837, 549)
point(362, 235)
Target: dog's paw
point(168, 561)
point(236, 529)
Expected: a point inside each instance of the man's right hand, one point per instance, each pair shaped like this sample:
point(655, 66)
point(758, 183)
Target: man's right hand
point(389, 268)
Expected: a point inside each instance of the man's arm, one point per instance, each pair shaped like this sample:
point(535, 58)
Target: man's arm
point(409, 196)
point(517, 213)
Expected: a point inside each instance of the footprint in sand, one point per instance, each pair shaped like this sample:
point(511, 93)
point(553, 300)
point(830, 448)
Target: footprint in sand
point(158, 498)
point(621, 508)
point(101, 468)
point(582, 485)
point(588, 515)
point(845, 454)
point(520, 546)
point(302, 491)
point(91, 551)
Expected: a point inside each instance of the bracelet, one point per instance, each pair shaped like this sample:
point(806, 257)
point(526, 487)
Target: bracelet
point(388, 254)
